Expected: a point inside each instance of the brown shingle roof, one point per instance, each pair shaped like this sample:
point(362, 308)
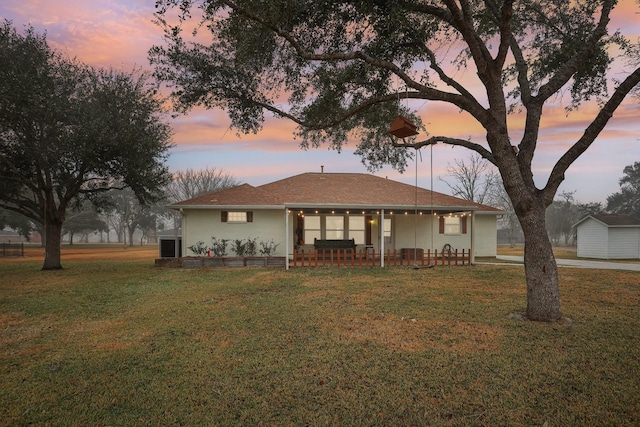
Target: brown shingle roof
point(617, 220)
point(337, 189)
point(242, 195)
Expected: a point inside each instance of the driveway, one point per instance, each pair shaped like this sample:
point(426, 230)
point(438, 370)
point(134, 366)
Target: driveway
point(580, 263)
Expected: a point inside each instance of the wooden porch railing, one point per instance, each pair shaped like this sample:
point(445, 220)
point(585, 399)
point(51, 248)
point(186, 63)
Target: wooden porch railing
point(363, 257)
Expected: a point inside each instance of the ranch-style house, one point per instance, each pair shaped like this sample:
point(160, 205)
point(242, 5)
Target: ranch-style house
point(340, 210)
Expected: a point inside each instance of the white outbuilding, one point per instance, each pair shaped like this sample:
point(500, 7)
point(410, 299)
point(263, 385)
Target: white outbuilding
point(608, 237)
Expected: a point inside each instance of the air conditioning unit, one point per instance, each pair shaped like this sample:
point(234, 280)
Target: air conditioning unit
point(170, 248)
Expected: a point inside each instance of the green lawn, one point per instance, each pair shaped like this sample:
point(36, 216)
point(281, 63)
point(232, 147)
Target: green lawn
point(124, 343)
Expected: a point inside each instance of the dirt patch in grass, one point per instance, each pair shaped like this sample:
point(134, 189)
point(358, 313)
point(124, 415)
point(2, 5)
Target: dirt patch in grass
point(87, 252)
point(361, 322)
point(77, 253)
point(414, 335)
point(107, 335)
point(16, 328)
point(260, 275)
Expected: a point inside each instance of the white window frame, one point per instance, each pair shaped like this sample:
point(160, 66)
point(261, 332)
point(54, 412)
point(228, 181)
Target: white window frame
point(357, 229)
point(309, 233)
point(337, 230)
point(452, 225)
point(237, 217)
point(387, 231)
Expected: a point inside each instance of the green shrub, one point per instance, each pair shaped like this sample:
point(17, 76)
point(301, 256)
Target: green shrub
point(238, 246)
point(268, 248)
point(250, 247)
point(199, 248)
point(245, 247)
point(219, 247)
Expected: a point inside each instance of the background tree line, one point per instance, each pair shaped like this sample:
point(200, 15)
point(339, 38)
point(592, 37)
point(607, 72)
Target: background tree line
point(121, 217)
point(474, 179)
point(477, 180)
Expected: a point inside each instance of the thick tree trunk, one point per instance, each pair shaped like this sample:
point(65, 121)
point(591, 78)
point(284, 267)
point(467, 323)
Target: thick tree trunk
point(53, 236)
point(131, 231)
point(541, 270)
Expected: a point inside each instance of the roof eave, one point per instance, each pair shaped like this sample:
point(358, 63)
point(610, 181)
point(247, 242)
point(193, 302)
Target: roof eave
point(357, 206)
point(604, 223)
point(339, 206)
point(230, 207)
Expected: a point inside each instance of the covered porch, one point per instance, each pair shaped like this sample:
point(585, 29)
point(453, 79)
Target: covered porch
point(378, 235)
point(364, 258)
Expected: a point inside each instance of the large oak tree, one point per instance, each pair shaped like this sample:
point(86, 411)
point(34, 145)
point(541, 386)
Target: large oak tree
point(333, 66)
point(69, 132)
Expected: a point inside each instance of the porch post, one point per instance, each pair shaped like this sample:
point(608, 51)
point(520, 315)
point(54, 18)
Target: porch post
point(472, 256)
point(381, 237)
point(286, 238)
point(183, 233)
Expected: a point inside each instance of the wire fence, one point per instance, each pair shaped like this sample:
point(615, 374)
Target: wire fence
point(11, 249)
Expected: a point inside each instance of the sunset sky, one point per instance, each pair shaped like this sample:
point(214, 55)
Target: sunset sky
point(118, 34)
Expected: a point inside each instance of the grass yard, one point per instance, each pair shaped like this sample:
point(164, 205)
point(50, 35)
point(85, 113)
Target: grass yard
point(120, 342)
point(565, 252)
point(560, 252)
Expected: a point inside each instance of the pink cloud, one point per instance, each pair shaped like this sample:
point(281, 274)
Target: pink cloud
point(103, 33)
point(118, 33)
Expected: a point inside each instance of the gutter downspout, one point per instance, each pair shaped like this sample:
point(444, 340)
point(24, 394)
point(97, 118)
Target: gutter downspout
point(472, 256)
point(183, 233)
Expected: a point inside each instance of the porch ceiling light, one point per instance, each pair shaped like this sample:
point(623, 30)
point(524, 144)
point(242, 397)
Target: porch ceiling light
point(402, 127)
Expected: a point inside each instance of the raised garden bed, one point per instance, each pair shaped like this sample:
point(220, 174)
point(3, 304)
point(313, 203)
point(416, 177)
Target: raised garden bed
point(198, 262)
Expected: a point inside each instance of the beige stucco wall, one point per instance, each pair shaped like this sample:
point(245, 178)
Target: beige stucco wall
point(410, 231)
point(486, 235)
point(202, 224)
